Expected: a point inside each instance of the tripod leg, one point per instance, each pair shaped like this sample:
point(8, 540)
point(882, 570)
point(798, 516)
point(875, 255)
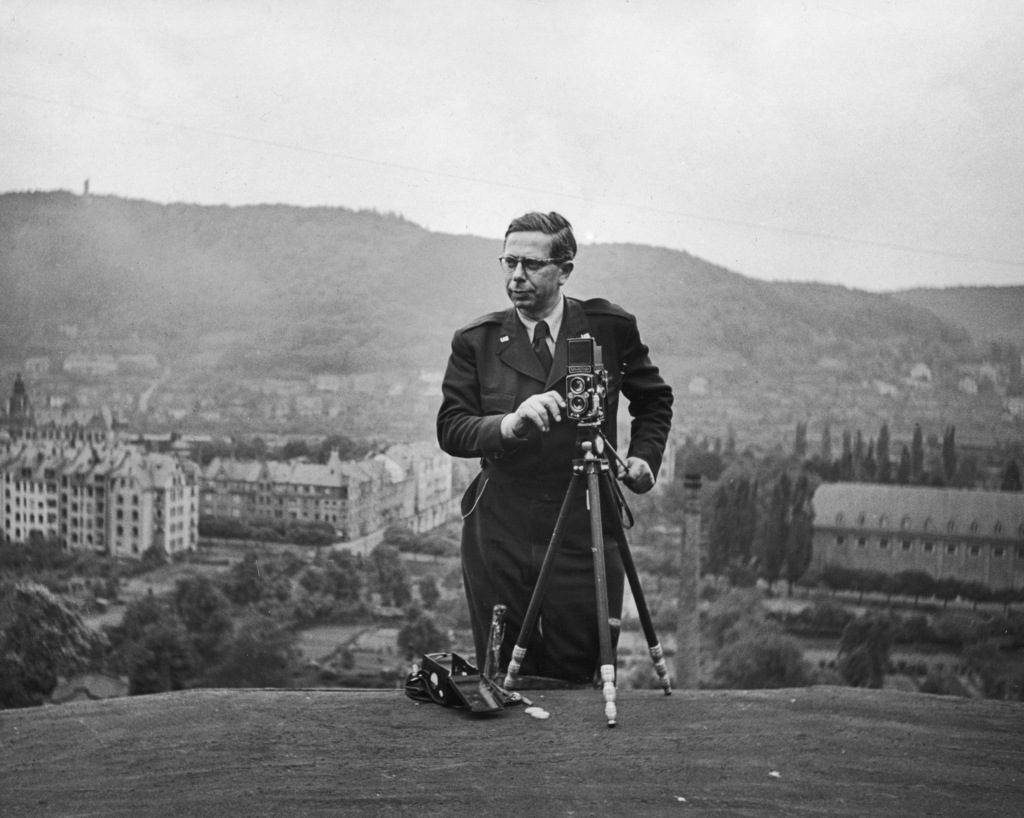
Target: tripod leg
point(601, 587)
point(533, 610)
point(653, 645)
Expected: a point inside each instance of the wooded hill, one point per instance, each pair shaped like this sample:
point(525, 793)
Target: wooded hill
point(281, 291)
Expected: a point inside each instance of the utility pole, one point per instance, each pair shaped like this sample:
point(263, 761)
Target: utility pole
point(687, 668)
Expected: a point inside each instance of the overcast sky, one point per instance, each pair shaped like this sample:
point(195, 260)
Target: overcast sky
point(874, 144)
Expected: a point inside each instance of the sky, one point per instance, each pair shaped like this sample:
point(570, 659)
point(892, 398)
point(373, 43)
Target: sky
point(876, 145)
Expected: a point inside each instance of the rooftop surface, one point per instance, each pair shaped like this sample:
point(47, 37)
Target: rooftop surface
point(808, 751)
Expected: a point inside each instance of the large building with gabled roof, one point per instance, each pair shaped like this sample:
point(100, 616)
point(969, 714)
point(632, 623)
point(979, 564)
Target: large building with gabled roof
point(410, 484)
point(105, 497)
point(974, 536)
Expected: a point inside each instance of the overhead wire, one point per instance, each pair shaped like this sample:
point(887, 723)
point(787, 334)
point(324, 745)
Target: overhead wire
point(672, 212)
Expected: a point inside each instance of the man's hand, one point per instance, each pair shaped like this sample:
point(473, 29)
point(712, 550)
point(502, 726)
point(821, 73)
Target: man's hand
point(541, 410)
point(636, 475)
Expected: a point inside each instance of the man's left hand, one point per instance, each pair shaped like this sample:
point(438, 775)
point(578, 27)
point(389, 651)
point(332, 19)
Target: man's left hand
point(637, 475)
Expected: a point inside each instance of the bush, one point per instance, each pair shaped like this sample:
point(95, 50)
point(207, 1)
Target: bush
point(41, 638)
point(762, 660)
point(825, 618)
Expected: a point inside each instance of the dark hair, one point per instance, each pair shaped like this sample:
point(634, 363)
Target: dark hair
point(553, 224)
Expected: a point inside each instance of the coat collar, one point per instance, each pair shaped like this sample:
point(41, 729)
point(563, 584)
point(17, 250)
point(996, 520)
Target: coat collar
point(517, 352)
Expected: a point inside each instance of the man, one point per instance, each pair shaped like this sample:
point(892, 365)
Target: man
point(504, 402)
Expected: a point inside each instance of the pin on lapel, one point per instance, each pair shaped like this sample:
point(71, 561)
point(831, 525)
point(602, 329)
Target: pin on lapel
point(503, 339)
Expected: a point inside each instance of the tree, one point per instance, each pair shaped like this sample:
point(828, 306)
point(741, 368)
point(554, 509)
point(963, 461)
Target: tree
point(800, 440)
point(261, 654)
point(244, 583)
point(798, 538)
point(949, 454)
point(869, 468)
point(429, 591)
point(419, 634)
point(389, 576)
point(864, 652)
point(153, 647)
point(826, 444)
point(205, 611)
point(345, 581)
point(765, 660)
point(41, 638)
point(884, 465)
point(858, 456)
point(914, 583)
point(720, 528)
point(733, 517)
point(1011, 477)
point(846, 458)
point(774, 531)
point(917, 456)
point(903, 472)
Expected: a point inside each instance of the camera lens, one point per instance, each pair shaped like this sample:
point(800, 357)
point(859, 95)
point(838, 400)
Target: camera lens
point(576, 385)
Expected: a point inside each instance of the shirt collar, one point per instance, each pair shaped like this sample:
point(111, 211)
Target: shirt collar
point(553, 319)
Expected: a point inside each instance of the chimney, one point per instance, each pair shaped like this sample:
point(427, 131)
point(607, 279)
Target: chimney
point(687, 674)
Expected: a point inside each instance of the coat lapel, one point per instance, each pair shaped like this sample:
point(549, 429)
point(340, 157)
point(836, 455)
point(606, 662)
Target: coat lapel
point(517, 352)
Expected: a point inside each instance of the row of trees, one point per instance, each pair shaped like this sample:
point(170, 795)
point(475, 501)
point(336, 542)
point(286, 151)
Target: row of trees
point(760, 526)
point(916, 584)
point(872, 460)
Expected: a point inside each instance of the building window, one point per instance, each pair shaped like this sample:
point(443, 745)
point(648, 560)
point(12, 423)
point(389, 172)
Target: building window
point(840, 540)
point(862, 542)
point(907, 545)
point(861, 518)
point(997, 553)
point(883, 544)
point(974, 526)
point(951, 526)
point(929, 547)
point(998, 527)
point(951, 548)
point(974, 550)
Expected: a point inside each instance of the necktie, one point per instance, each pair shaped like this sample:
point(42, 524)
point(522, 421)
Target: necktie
point(540, 344)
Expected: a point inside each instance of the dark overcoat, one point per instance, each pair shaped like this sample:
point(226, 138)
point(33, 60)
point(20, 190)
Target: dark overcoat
point(511, 507)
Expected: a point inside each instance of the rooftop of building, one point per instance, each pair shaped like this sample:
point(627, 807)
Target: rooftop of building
point(918, 508)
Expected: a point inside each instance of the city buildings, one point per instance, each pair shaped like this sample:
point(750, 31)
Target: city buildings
point(70, 477)
point(410, 485)
point(98, 496)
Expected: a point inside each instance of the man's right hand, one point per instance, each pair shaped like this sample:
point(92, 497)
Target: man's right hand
point(541, 410)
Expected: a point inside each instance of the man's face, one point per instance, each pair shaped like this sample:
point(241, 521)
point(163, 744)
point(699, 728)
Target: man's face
point(534, 293)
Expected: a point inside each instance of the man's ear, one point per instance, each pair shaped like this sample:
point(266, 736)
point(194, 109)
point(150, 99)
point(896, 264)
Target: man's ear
point(566, 267)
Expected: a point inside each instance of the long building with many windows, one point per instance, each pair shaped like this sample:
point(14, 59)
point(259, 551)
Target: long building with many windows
point(975, 536)
point(105, 497)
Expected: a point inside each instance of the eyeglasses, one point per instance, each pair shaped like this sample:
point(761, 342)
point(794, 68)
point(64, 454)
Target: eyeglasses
point(531, 265)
